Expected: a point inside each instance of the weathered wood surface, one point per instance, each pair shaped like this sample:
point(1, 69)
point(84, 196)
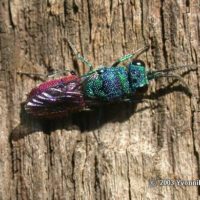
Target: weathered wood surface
point(113, 152)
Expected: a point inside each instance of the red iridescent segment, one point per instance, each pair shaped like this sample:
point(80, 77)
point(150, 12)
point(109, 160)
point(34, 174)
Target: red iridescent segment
point(56, 97)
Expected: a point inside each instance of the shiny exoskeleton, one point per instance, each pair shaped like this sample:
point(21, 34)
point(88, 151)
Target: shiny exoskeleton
point(56, 97)
point(102, 85)
point(115, 83)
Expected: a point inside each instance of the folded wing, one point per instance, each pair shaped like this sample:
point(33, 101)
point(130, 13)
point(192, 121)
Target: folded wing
point(61, 97)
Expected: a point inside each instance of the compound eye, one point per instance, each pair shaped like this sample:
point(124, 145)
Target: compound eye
point(138, 63)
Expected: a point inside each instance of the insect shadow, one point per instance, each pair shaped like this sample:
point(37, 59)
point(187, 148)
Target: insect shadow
point(88, 120)
point(119, 112)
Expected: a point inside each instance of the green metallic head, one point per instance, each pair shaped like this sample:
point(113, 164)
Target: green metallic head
point(137, 75)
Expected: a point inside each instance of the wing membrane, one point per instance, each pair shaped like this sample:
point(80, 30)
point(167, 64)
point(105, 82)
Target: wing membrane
point(62, 97)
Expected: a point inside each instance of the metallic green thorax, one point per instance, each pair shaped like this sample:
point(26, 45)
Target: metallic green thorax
point(115, 83)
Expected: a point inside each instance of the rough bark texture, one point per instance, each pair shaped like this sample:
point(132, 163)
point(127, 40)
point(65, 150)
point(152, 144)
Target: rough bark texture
point(112, 152)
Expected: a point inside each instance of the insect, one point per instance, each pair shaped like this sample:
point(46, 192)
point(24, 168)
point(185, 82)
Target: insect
point(102, 85)
point(121, 83)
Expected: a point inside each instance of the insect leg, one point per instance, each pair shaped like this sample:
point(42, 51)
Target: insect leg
point(79, 56)
point(60, 72)
point(39, 76)
point(131, 55)
point(32, 74)
point(44, 76)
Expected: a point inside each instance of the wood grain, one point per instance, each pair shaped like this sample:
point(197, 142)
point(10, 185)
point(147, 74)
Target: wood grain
point(112, 152)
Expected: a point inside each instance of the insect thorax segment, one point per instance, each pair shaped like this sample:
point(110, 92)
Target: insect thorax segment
point(115, 83)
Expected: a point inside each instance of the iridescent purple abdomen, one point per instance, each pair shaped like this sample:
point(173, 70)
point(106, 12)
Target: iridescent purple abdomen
point(56, 97)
